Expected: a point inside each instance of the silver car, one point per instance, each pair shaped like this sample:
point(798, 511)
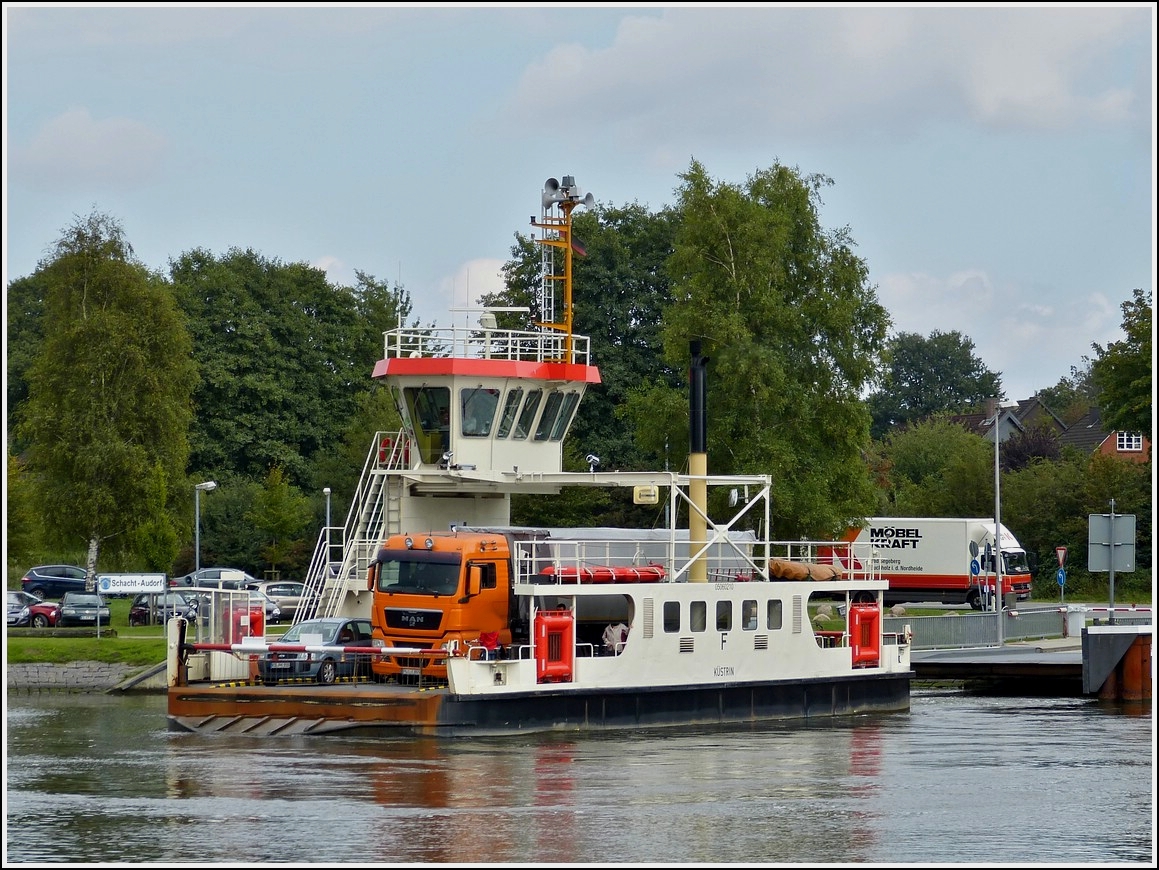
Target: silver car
point(287, 594)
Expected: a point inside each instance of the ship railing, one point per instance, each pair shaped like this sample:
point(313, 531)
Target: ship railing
point(475, 343)
point(520, 652)
point(252, 647)
point(560, 561)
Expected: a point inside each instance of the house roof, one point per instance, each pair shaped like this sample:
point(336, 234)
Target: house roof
point(1086, 433)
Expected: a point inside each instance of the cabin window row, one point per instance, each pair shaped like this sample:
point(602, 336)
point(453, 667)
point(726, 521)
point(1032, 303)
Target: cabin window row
point(749, 615)
point(542, 415)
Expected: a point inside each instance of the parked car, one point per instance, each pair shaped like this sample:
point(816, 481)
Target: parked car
point(215, 578)
point(156, 608)
point(81, 608)
point(324, 667)
point(287, 594)
point(52, 581)
point(18, 608)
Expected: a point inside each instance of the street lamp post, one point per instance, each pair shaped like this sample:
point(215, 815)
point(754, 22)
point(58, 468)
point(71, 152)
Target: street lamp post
point(326, 492)
point(1000, 406)
point(207, 486)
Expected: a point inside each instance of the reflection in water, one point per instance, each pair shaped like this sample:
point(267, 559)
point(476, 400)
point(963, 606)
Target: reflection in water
point(1003, 780)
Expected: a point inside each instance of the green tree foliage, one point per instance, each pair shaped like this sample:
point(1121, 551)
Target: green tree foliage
point(938, 469)
point(109, 390)
point(341, 467)
point(1130, 484)
point(283, 355)
point(24, 331)
point(228, 537)
point(280, 515)
point(793, 330)
point(1122, 371)
point(1072, 396)
point(1044, 505)
point(156, 540)
point(926, 376)
point(1048, 504)
point(22, 532)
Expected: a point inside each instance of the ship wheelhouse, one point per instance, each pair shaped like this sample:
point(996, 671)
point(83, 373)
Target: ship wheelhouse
point(486, 400)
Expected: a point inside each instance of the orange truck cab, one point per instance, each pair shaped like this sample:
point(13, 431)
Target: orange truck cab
point(430, 591)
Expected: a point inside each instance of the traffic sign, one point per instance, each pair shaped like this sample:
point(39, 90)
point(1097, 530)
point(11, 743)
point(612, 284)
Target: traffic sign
point(1062, 576)
point(975, 568)
point(1061, 553)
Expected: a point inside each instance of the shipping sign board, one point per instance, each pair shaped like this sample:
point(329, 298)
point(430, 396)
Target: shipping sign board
point(124, 584)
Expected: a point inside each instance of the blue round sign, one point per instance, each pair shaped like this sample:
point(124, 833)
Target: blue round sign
point(1062, 576)
point(975, 568)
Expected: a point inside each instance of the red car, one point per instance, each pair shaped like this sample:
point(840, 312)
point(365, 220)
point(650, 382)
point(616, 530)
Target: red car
point(25, 609)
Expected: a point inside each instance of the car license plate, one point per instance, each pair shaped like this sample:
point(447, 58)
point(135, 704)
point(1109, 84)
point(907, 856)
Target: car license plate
point(410, 672)
point(279, 664)
point(88, 618)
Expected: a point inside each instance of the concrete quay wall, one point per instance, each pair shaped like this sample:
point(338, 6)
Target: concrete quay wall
point(84, 677)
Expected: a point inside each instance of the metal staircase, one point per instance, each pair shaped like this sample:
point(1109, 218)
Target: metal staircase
point(344, 554)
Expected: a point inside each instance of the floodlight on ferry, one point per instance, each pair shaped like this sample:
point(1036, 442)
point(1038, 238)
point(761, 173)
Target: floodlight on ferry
point(409, 542)
point(430, 543)
point(593, 461)
point(487, 320)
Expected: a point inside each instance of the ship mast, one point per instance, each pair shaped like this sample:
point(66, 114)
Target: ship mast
point(555, 305)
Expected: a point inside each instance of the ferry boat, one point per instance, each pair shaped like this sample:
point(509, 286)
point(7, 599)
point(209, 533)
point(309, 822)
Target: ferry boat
point(474, 627)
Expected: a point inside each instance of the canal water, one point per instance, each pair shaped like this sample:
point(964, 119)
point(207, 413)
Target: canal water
point(959, 779)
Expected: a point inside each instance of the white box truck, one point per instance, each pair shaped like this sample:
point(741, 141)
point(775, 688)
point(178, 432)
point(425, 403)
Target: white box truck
point(937, 559)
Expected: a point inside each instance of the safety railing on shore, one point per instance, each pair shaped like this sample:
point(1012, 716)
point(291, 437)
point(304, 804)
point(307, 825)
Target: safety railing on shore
point(972, 629)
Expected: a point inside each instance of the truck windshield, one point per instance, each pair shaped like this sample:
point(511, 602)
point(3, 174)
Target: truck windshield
point(1015, 563)
point(418, 571)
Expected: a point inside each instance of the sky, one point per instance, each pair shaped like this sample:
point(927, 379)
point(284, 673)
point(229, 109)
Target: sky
point(993, 164)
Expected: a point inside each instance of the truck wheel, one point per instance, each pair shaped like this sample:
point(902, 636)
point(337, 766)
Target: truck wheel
point(974, 600)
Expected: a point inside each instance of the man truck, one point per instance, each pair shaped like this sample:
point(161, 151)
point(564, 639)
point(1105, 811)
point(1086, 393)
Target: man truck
point(937, 559)
point(458, 588)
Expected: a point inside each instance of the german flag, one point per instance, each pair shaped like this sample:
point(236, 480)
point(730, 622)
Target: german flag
point(578, 247)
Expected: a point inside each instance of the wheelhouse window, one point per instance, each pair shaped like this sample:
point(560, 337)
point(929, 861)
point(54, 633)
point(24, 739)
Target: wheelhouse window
point(550, 412)
point(563, 421)
point(527, 415)
point(478, 411)
point(510, 406)
point(428, 412)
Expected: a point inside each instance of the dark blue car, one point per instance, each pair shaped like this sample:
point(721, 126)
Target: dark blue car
point(52, 581)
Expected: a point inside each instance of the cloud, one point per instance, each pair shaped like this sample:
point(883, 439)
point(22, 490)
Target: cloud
point(337, 272)
point(459, 292)
point(74, 149)
point(694, 74)
point(1032, 336)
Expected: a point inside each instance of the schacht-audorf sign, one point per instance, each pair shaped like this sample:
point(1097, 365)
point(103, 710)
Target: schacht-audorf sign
point(116, 584)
